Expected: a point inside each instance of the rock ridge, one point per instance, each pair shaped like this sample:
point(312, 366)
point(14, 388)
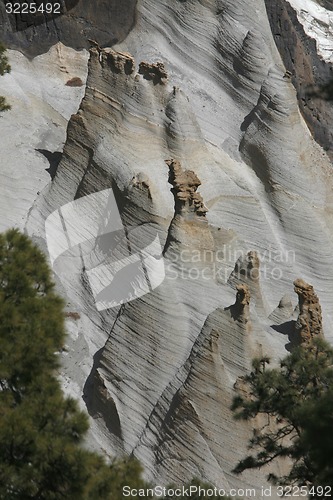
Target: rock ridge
point(241, 308)
point(120, 62)
point(185, 184)
point(154, 71)
point(309, 322)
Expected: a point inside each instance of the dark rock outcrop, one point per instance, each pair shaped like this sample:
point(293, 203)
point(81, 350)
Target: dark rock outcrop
point(306, 69)
point(241, 308)
point(155, 72)
point(185, 184)
point(106, 22)
point(309, 322)
point(75, 82)
point(189, 225)
point(120, 62)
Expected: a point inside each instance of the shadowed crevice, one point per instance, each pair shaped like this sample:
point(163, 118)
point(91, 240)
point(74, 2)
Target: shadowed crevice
point(53, 159)
point(98, 402)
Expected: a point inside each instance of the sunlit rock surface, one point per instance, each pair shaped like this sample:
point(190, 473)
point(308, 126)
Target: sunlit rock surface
point(193, 124)
point(33, 132)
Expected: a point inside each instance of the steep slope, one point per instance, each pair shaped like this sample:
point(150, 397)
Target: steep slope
point(193, 125)
point(303, 34)
point(33, 132)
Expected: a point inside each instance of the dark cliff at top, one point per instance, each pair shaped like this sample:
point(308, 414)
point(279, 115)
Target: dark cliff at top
point(106, 21)
point(308, 70)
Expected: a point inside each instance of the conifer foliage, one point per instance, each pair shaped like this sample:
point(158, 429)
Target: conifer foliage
point(294, 403)
point(4, 68)
point(41, 431)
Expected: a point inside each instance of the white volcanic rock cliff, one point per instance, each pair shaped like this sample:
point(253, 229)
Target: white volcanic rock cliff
point(34, 131)
point(195, 127)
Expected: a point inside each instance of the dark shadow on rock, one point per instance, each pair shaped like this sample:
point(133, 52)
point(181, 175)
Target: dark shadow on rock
point(88, 386)
point(104, 21)
point(259, 163)
point(288, 328)
point(328, 4)
point(97, 399)
point(53, 159)
point(235, 311)
point(49, 11)
point(153, 72)
point(248, 119)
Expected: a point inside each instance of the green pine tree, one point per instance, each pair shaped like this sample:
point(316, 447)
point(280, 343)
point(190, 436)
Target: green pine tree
point(41, 431)
point(297, 403)
point(4, 68)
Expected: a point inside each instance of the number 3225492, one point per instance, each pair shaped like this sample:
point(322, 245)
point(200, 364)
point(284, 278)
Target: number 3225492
point(304, 491)
point(33, 8)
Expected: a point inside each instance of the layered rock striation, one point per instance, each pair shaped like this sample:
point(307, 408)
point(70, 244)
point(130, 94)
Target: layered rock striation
point(244, 175)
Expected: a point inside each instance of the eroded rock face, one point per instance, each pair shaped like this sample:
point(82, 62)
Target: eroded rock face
point(242, 304)
point(42, 103)
point(247, 273)
point(158, 371)
point(120, 62)
point(185, 185)
point(189, 226)
point(155, 72)
point(283, 311)
point(309, 322)
point(307, 69)
point(247, 268)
